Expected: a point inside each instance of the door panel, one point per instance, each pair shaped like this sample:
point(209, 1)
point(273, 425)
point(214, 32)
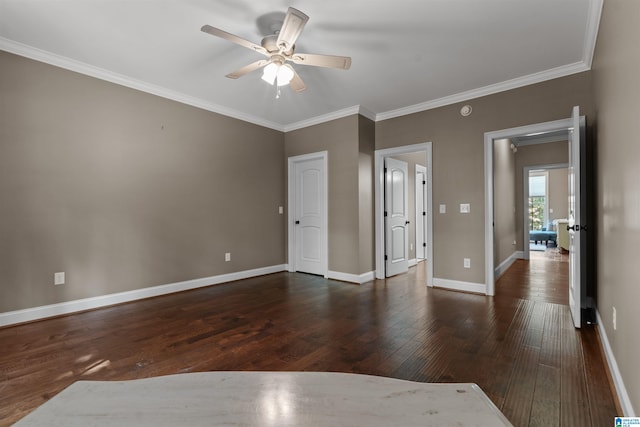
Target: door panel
point(396, 217)
point(576, 226)
point(309, 216)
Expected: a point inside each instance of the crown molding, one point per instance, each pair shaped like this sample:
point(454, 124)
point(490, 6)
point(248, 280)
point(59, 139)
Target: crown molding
point(542, 76)
point(593, 24)
point(345, 112)
point(593, 21)
point(123, 80)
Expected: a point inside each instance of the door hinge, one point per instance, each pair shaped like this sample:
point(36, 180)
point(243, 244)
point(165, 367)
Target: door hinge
point(385, 258)
point(385, 213)
point(424, 214)
point(424, 182)
point(424, 244)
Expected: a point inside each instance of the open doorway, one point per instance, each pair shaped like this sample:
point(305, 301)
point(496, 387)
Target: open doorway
point(578, 211)
point(423, 152)
point(546, 210)
point(525, 147)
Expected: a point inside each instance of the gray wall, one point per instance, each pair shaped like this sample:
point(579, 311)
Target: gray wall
point(617, 87)
point(349, 142)
point(366, 238)
point(504, 201)
point(124, 190)
point(458, 158)
point(558, 193)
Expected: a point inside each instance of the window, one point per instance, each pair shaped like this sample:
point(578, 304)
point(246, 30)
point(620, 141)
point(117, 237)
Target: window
point(538, 216)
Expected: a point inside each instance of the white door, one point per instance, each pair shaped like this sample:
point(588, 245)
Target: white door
point(309, 212)
point(421, 212)
point(577, 288)
point(396, 217)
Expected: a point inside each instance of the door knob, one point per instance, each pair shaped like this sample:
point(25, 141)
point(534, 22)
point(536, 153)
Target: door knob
point(406, 222)
point(297, 222)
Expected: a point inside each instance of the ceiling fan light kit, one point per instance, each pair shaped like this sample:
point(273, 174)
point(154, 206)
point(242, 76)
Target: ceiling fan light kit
point(279, 49)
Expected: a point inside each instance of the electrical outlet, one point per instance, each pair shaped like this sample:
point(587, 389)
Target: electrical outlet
point(280, 210)
point(465, 208)
point(58, 278)
point(615, 321)
point(227, 256)
point(467, 263)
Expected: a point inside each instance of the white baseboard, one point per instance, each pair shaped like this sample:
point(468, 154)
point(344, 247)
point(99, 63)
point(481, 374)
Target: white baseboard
point(621, 390)
point(36, 313)
point(351, 278)
point(412, 262)
point(504, 265)
point(457, 285)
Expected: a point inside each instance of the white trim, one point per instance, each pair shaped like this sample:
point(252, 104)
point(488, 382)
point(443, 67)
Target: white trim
point(345, 112)
point(367, 113)
point(123, 80)
point(412, 262)
point(324, 156)
point(621, 390)
point(458, 285)
point(37, 313)
point(593, 24)
point(489, 137)
point(379, 204)
point(421, 192)
point(504, 265)
point(518, 82)
point(351, 278)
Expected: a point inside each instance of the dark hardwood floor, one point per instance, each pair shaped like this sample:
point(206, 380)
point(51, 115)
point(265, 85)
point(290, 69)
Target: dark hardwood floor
point(520, 347)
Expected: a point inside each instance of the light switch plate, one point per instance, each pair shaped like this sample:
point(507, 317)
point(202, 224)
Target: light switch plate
point(443, 208)
point(58, 278)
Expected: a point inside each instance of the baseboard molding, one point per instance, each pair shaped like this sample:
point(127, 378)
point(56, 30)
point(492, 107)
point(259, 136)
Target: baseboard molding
point(412, 262)
point(621, 390)
point(42, 312)
point(351, 278)
point(504, 265)
point(457, 285)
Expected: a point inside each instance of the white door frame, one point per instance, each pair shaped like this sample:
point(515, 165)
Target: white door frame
point(489, 137)
point(421, 191)
point(324, 156)
point(525, 195)
point(379, 204)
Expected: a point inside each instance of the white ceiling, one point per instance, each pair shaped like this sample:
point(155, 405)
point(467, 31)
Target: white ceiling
point(408, 55)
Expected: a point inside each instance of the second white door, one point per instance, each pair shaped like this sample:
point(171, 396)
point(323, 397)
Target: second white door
point(396, 217)
point(309, 215)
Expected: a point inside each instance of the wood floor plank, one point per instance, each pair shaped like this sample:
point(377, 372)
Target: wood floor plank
point(518, 346)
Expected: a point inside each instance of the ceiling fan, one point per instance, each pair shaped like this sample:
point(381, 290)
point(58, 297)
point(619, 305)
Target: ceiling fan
point(279, 49)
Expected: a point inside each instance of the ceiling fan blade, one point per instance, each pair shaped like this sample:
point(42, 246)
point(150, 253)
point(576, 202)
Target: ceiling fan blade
point(292, 26)
point(248, 68)
point(330, 61)
point(234, 39)
point(296, 82)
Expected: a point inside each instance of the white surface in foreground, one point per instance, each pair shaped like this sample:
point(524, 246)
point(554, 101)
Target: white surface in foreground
point(267, 399)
